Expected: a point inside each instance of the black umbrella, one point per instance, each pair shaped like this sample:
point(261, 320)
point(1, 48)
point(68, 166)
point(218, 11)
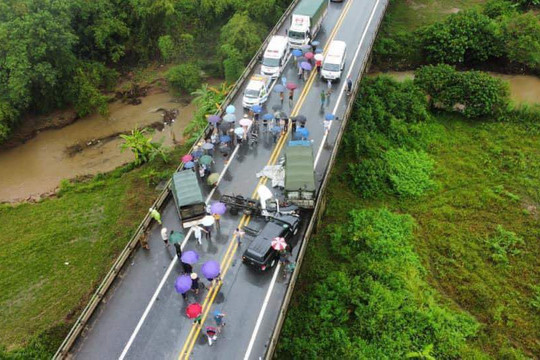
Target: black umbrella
point(282, 115)
point(300, 118)
point(276, 107)
point(225, 126)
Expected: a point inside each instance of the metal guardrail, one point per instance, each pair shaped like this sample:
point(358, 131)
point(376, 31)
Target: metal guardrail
point(319, 207)
point(102, 289)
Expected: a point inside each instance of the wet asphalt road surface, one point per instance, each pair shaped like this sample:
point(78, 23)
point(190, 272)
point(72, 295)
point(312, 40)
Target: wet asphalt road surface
point(163, 333)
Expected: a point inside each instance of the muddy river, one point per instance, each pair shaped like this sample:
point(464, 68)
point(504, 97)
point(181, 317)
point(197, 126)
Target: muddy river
point(38, 166)
point(523, 88)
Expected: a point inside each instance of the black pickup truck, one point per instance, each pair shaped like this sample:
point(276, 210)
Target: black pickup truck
point(260, 254)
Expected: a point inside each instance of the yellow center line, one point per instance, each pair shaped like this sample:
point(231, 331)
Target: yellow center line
point(244, 221)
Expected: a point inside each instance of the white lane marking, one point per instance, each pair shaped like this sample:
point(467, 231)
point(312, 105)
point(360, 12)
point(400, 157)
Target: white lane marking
point(274, 278)
point(345, 83)
point(261, 313)
point(169, 269)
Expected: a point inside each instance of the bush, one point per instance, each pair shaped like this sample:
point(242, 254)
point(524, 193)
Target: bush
point(368, 178)
point(475, 93)
point(232, 63)
point(166, 47)
point(400, 50)
point(502, 244)
point(521, 33)
point(467, 37)
point(184, 77)
point(409, 171)
point(498, 8)
point(186, 46)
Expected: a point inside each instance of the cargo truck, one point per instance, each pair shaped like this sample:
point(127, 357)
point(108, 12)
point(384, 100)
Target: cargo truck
point(299, 174)
point(188, 197)
point(306, 22)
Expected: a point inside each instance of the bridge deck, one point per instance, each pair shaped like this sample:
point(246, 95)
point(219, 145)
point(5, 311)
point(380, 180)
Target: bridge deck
point(116, 328)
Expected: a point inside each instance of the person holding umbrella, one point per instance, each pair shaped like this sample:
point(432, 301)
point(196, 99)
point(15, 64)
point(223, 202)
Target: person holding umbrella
point(211, 271)
point(194, 283)
point(182, 285)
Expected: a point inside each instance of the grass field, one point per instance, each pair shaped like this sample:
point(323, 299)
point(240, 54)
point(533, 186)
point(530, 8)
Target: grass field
point(487, 175)
point(54, 253)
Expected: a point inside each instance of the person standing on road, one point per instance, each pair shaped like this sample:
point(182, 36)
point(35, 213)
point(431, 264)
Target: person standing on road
point(208, 230)
point(329, 87)
point(217, 217)
point(195, 283)
point(318, 64)
point(197, 232)
point(178, 250)
point(188, 269)
point(323, 98)
point(349, 85)
point(291, 96)
point(218, 318)
point(165, 236)
point(211, 333)
point(284, 81)
point(326, 124)
point(239, 234)
point(300, 72)
point(281, 97)
point(154, 214)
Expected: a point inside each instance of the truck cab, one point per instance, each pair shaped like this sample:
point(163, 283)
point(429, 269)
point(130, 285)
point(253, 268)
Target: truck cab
point(260, 255)
point(306, 22)
point(299, 31)
point(188, 198)
point(257, 91)
point(275, 56)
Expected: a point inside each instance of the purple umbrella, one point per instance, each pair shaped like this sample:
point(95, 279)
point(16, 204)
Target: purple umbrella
point(210, 269)
point(218, 208)
point(305, 65)
point(183, 284)
point(214, 119)
point(190, 257)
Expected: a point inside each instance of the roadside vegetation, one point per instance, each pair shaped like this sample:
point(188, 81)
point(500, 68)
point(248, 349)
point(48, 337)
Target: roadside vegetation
point(432, 249)
point(57, 54)
point(499, 35)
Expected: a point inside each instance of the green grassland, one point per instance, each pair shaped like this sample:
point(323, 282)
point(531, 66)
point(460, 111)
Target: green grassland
point(53, 253)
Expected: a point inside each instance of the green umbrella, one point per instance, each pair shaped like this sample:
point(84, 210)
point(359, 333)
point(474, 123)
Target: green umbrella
point(205, 160)
point(176, 237)
point(212, 179)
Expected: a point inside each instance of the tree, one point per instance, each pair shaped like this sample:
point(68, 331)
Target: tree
point(142, 147)
point(166, 47)
point(184, 77)
point(242, 34)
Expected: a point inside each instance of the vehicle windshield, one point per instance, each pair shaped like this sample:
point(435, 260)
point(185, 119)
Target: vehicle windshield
point(330, 67)
point(296, 35)
point(251, 93)
point(270, 62)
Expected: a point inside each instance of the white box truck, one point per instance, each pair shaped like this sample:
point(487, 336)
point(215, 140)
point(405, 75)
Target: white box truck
point(306, 21)
point(275, 56)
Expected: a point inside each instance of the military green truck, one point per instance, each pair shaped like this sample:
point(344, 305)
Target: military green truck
point(188, 197)
point(299, 174)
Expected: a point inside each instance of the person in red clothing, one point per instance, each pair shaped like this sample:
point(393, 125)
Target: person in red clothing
point(318, 64)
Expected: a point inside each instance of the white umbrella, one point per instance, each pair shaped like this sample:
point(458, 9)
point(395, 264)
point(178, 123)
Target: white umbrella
point(230, 118)
point(208, 220)
point(246, 122)
point(239, 131)
point(319, 57)
point(279, 244)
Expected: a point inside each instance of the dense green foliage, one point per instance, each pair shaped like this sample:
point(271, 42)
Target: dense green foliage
point(362, 292)
point(474, 93)
point(184, 77)
point(499, 36)
point(374, 304)
point(57, 53)
point(142, 147)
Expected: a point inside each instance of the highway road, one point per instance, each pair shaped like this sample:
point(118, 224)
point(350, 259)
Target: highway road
point(142, 316)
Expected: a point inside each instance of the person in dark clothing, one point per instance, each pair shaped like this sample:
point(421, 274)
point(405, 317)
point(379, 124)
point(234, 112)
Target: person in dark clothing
point(349, 85)
point(293, 125)
point(178, 249)
point(188, 269)
point(195, 283)
point(208, 232)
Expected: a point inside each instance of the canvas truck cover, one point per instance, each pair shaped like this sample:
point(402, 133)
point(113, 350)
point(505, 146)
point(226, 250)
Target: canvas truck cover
point(185, 188)
point(299, 167)
point(310, 7)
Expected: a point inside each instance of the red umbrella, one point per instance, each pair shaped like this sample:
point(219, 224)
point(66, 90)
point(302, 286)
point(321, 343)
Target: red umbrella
point(279, 244)
point(193, 310)
point(291, 86)
point(308, 55)
point(186, 158)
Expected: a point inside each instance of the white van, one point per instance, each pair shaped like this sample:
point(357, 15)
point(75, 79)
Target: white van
point(275, 56)
point(257, 90)
point(334, 62)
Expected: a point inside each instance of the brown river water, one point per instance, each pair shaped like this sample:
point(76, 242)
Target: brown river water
point(523, 88)
point(38, 166)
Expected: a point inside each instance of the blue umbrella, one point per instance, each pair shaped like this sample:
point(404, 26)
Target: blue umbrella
point(305, 65)
point(230, 118)
point(279, 88)
point(197, 154)
point(297, 52)
point(315, 43)
point(256, 109)
point(318, 51)
point(230, 109)
point(225, 138)
point(330, 117)
point(302, 132)
point(276, 129)
point(189, 165)
point(208, 146)
point(214, 119)
point(267, 117)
